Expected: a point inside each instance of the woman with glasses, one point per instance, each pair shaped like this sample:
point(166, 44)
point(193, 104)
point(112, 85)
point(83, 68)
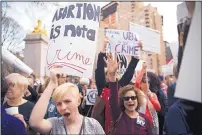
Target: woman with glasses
point(17, 84)
point(126, 118)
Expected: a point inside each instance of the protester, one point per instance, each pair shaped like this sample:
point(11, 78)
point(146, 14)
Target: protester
point(76, 81)
point(171, 89)
point(101, 78)
point(92, 84)
point(163, 86)
point(184, 116)
point(17, 86)
point(154, 86)
point(153, 105)
point(31, 94)
point(67, 99)
point(126, 118)
point(86, 109)
point(9, 122)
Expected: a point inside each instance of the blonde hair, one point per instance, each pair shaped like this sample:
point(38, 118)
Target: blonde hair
point(61, 90)
point(18, 80)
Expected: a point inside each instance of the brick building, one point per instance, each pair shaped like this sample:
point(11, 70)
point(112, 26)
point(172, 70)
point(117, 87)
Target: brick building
point(117, 15)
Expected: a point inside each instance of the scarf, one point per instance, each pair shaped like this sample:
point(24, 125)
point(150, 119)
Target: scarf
point(105, 95)
point(153, 113)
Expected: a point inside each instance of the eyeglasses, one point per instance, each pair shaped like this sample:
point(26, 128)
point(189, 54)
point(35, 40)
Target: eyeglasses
point(128, 98)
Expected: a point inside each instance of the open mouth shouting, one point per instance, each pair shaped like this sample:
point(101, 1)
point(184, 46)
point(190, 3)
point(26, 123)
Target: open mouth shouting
point(66, 114)
point(131, 105)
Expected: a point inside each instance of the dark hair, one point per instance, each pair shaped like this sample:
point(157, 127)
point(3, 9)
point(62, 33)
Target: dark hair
point(124, 90)
point(160, 77)
point(154, 83)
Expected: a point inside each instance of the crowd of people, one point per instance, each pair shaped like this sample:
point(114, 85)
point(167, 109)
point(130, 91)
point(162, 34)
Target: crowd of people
point(58, 106)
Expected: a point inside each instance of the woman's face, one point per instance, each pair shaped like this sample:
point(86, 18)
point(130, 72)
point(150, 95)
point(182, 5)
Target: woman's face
point(14, 90)
point(130, 101)
point(93, 86)
point(68, 105)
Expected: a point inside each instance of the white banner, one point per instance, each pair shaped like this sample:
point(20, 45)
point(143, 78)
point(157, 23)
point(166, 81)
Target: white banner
point(91, 95)
point(150, 38)
point(12, 60)
point(73, 39)
point(123, 42)
point(167, 70)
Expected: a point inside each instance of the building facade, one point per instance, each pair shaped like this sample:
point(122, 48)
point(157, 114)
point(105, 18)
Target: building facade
point(117, 15)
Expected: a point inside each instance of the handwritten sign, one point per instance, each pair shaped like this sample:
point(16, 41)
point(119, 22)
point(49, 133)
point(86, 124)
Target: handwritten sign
point(73, 38)
point(123, 42)
point(167, 70)
point(150, 38)
point(123, 65)
point(91, 95)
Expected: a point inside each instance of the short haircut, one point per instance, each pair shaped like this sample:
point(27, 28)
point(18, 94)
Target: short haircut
point(61, 90)
point(17, 79)
point(125, 89)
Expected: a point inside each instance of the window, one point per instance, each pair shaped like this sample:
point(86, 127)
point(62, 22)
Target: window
point(146, 14)
point(146, 10)
point(147, 22)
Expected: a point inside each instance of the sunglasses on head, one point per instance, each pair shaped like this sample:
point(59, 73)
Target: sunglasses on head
point(128, 98)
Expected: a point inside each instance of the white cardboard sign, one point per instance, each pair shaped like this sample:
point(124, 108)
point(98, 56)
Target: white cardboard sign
point(73, 38)
point(150, 38)
point(189, 80)
point(123, 42)
point(167, 69)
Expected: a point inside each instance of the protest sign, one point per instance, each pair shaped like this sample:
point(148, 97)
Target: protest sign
point(73, 38)
point(167, 70)
point(150, 38)
point(12, 60)
point(91, 95)
point(189, 79)
point(123, 42)
point(123, 63)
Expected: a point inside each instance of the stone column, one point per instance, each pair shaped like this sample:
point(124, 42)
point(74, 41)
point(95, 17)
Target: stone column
point(36, 46)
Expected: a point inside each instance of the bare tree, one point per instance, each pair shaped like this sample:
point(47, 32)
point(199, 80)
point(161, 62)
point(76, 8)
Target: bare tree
point(12, 32)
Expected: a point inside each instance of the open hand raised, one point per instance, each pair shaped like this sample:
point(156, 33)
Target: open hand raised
point(112, 64)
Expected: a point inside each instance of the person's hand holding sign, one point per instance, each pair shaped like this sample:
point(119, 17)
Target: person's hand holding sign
point(140, 45)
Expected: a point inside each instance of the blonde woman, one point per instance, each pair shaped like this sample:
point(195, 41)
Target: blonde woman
point(67, 99)
point(17, 84)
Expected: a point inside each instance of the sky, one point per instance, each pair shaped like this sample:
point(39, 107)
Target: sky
point(28, 20)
